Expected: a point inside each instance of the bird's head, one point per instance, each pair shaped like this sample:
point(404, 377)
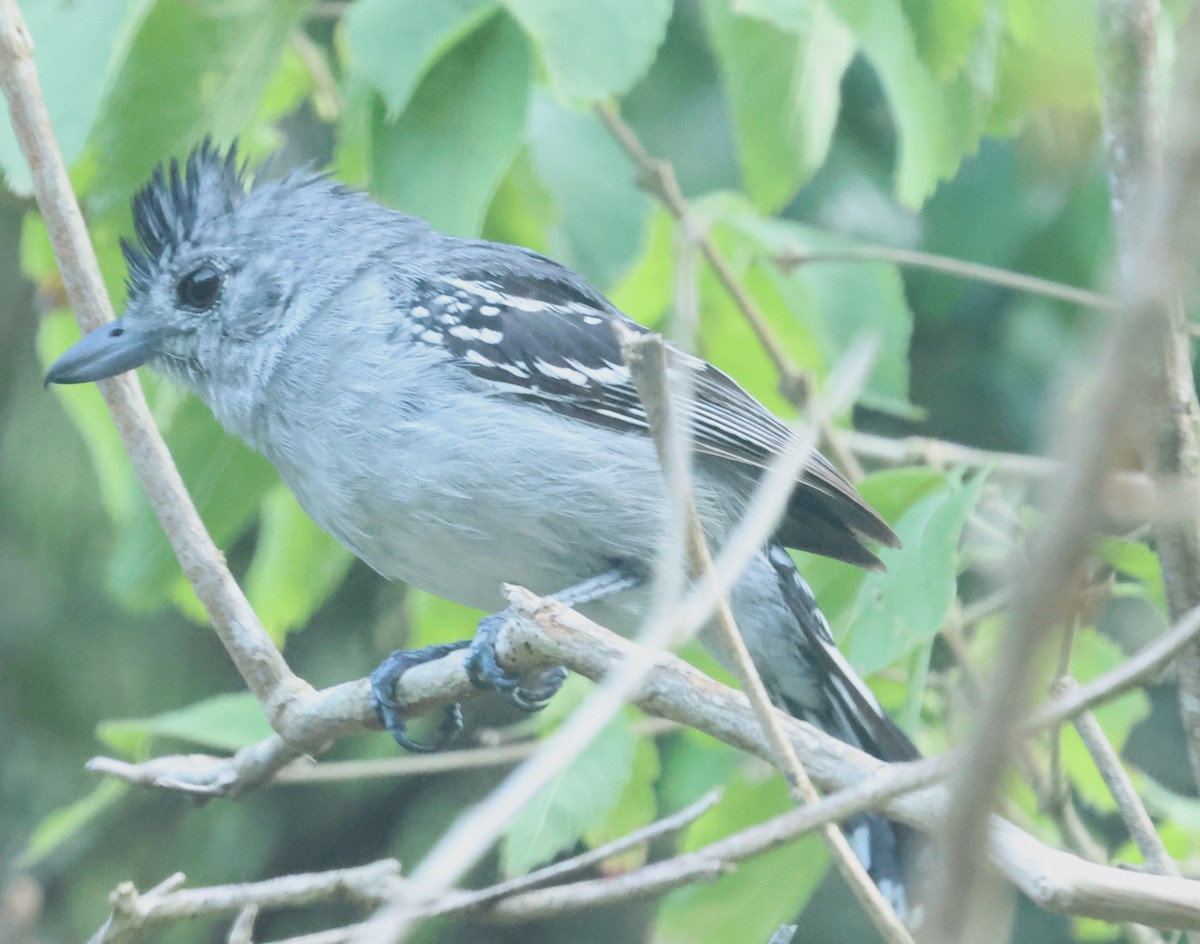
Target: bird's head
point(222, 273)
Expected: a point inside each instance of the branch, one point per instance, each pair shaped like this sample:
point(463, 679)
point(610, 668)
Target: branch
point(960, 268)
point(646, 357)
point(545, 633)
point(1156, 246)
point(259, 662)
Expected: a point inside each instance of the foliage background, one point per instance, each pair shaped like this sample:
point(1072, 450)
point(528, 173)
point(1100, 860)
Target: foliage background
point(965, 127)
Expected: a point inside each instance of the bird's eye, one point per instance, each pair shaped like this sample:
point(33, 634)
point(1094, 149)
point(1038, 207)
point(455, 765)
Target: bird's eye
point(200, 288)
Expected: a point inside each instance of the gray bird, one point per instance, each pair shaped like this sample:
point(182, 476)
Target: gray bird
point(456, 412)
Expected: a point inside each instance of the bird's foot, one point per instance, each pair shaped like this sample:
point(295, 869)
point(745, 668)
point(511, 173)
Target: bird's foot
point(387, 709)
point(522, 691)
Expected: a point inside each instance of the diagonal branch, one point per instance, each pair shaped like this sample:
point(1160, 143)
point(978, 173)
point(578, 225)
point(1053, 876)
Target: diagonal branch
point(259, 662)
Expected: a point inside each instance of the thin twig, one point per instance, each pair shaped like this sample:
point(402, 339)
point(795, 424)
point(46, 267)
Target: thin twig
point(960, 268)
point(256, 657)
point(1134, 671)
point(1133, 811)
point(464, 901)
point(646, 357)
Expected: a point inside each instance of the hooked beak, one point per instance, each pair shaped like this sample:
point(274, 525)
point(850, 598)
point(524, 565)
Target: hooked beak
point(105, 352)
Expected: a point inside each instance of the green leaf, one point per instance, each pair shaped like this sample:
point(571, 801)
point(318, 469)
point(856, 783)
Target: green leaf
point(937, 125)
point(1091, 656)
point(601, 213)
point(594, 50)
point(636, 808)
point(891, 492)
point(1138, 561)
point(76, 47)
point(647, 290)
point(225, 479)
point(223, 723)
point(899, 611)
point(393, 43)
point(784, 89)
point(296, 565)
point(64, 823)
point(763, 892)
point(445, 156)
point(435, 620)
point(193, 69)
point(945, 32)
point(836, 303)
point(577, 799)
point(85, 406)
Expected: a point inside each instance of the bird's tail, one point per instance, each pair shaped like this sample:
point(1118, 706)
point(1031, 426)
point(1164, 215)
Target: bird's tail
point(848, 710)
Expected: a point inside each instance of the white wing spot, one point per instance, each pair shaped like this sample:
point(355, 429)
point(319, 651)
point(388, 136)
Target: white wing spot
point(476, 358)
point(490, 336)
point(489, 311)
point(592, 320)
point(433, 337)
point(562, 373)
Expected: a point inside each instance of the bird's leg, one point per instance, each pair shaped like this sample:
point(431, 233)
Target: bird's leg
point(486, 672)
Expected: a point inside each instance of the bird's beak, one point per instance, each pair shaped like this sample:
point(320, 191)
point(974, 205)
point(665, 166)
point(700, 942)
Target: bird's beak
point(105, 352)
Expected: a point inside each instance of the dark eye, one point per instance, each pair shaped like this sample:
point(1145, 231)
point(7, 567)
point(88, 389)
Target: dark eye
point(199, 289)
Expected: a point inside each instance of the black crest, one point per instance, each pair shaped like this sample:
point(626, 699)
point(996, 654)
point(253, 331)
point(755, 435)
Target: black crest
point(166, 211)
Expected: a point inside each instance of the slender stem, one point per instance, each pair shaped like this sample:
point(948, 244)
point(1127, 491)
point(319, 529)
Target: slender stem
point(259, 662)
point(957, 267)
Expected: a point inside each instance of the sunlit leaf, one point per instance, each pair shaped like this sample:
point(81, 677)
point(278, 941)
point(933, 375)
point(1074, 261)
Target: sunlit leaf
point(594, 50)
point(296, 566)
point(223, 722)
point(578, 798)
point(444, 156)
point(393, 43)
point(784, 91)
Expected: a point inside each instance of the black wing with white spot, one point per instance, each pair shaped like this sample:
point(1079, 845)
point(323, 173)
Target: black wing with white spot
point(539, 334)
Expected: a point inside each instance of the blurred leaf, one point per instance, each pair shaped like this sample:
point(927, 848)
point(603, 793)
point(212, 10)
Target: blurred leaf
point(393, 43)
point(594, 50)
point(296, 566)
point(784, 91)
point(763, 892)
point(836, 303)
point(936, 125)
point(577, 799)
point(901, 610)
point(223, 723)
point(891, 492)
point(435, 620)
point(601, 213)
point(523, 211)
point(945, 32)
point(88, 412)
point(647, 290)
point(77, 47)
point(68, 821)
point(1138, 561)
point(1050, 57)
point(194, 68)
point(1091, 656)
point(446, 154)
point(636, 808)
point(226, 481)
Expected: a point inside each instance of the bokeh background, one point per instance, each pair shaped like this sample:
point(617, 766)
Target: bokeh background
point(969, 128)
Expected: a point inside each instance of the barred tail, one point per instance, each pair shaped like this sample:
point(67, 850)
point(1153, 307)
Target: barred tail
point(849, 711)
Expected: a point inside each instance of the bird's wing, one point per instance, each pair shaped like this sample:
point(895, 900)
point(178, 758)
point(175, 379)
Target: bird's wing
point(536, 332)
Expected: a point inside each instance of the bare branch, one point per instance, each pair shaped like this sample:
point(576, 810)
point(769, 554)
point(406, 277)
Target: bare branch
point(1130, 805)
point(256, 658)
point(646, 357)
point(956, 267)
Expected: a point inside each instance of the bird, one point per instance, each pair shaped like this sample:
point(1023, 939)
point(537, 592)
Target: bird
point(457, 413)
